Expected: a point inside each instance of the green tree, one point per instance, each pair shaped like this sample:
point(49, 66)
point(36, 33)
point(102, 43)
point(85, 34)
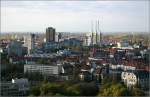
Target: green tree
point(65, 89)
point(114, 90)
point(42, 61)
point(50, 89)
point(137, 92)
point(73, 90)
point(35, 91)
point(88, 89)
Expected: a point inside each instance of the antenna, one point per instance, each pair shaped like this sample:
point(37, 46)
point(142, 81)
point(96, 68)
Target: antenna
point(92, 32)
point(96, 28)
point(132, 37)
point(99, 30)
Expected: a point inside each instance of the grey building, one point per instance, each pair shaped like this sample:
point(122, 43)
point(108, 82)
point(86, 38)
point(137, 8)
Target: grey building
point(29, 42)
point(16, 87)
point(42, 68)
point(15, 48)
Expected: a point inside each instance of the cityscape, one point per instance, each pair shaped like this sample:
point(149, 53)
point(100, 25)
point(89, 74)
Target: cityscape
point(89, 59)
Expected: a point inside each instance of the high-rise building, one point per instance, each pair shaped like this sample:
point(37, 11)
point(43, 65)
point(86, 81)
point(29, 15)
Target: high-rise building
point(94, 38)
point(29, 42)
point(32, 41)
point(50, 34)
point(88, 39)
point(59, 37)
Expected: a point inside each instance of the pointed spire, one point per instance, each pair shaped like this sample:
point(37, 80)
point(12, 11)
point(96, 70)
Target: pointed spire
point(99, 32)
point(96, 26)
point(92, 26)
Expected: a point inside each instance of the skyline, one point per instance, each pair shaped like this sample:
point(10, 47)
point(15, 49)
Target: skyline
point(74, 16)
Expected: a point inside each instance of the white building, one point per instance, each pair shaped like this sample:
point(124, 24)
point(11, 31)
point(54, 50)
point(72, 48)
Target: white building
point(123, 67)
point(132, 78)
point(124, 45)
point(57, 37)
point(43, 69)
point(129, 78)
point(88, 39)
point(29, 42)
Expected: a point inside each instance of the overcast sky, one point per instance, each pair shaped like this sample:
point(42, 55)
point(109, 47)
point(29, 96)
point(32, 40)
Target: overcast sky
point(74, 16)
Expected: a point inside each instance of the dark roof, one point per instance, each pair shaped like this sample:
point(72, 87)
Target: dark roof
point(98, 71)
point(86, 67)
point(140, 73)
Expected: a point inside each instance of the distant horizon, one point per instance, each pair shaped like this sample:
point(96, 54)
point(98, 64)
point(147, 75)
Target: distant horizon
point(75, 16)
point(13, 32)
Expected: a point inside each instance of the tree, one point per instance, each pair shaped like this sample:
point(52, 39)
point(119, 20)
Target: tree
point(42, 61)
point(35, 91)
point(65, 89)
point(114, 90)
point(73, 90)
point(34, 76)
point(44, 89)
point(119, 90)
point(50, 89)
point(137, 92)
point(88, 89)
point(4, 58)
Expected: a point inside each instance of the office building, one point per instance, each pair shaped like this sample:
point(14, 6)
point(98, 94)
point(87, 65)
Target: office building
point(58, 37)
point(29, 42)
point(88, 39)
point(94, 37)
point(50, 34)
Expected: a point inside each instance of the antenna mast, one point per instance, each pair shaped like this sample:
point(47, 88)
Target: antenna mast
point(96, 28)
point(92, 32)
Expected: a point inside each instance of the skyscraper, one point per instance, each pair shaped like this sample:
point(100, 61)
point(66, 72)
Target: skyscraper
point(59, 37)
point(50, 34)
point(29, 42)
point(87, 40)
